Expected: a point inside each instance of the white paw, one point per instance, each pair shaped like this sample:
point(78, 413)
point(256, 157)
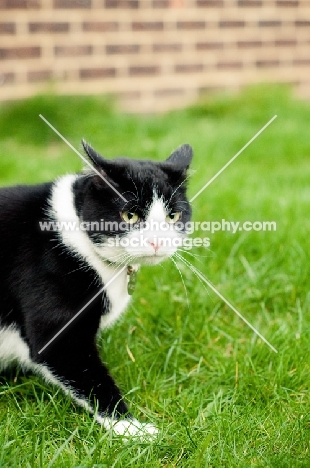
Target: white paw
point(130, 428)
point(135, 428)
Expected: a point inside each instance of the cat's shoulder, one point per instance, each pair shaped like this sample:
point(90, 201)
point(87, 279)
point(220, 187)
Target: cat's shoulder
point(19, 193)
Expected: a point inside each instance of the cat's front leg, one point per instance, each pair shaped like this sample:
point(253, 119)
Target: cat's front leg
point(74, 365)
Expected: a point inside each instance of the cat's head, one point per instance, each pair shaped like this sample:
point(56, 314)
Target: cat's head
point(136, 210)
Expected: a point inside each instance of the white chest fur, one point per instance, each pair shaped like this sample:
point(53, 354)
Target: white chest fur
point(13, 348)
point(63, 211)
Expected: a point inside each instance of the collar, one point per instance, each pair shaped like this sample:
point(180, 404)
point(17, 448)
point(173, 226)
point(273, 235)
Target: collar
point(131, 274)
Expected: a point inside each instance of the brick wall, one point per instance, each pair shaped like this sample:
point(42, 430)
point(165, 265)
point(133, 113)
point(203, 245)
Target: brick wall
point(153, 54)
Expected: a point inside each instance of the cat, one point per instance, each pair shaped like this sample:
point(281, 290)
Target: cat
point(74, 282)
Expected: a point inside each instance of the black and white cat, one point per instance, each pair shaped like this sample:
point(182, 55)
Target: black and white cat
point(50, 271)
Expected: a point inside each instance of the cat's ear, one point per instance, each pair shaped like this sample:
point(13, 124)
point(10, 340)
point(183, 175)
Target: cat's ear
point(95, 157)
point(181, 157)
point(102, 167)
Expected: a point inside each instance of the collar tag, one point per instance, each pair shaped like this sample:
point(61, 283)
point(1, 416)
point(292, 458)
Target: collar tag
point(132, 279)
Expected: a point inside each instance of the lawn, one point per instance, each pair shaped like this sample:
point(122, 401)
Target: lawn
point(186, 362)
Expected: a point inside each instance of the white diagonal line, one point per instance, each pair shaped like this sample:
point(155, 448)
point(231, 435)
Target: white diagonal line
point(82, 157)
point(83, 308)
point(202, 277)
point(233, 158)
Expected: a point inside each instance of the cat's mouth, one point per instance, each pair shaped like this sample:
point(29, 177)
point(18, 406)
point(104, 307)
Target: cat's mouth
point(150, 253)
point(134, 258)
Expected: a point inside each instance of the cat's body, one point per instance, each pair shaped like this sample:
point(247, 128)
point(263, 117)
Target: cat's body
point(48, 276)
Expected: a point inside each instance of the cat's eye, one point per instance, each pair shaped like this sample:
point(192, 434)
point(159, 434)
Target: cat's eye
point(130, 217)
point(173, 217)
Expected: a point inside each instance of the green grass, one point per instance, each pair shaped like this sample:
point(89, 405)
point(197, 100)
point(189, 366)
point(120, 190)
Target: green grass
point(219, 395)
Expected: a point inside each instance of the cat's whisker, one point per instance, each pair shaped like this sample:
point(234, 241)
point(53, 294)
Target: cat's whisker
point(81, 268)
point(132, 207)
point(134, 196)
point(120, 264)
point(191, 267)
point(179, 202)
point(210, 285)
point(118, 256)
point(183, 181)
point(123, 261)
point(137, 193)
point(184, 286)
point(196, 256)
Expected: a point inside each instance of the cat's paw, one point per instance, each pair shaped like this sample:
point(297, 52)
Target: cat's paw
point(131, 428)
point(135, 429)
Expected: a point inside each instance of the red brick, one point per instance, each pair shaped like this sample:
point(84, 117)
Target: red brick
point(231, 24)
point(189, 68)
point(250, 3)
point(6, 78)
point(19, 4)
point(148, 26)
point(97, 73)
point(73, 51)
point(209, 45)
point(302, 62)
point(19, 52)
point(303, 23)
point(210, 3)
point(167, 47)
point(144, 70)
point(269, 24)
point(121, 4)
point(48, 27)
point(285, 42)
point(229, 65)
point(267, 63)
point(169, 92)
point(100, 26)
point(7, 28)
point(72, 3)
point(39, 75)
point(287, 3)
point(248, 44)
point(122, 49)
point(161, 4)
point(191, 24)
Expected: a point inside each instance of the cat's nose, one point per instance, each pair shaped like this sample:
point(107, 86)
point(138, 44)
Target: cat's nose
point(155, 243)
